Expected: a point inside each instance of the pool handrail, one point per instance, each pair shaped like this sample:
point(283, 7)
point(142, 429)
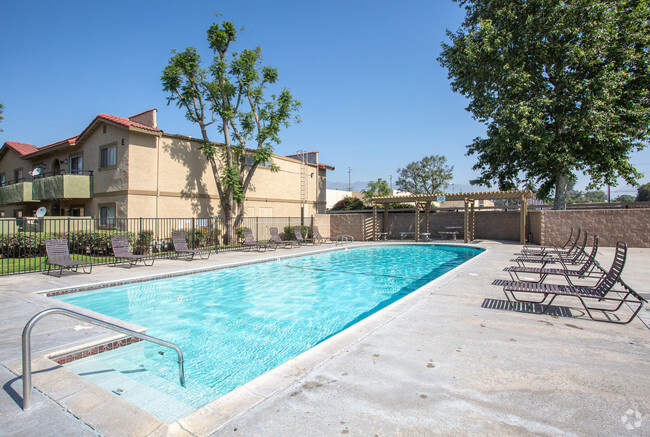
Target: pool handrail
point(27, 347)
point(344, 238)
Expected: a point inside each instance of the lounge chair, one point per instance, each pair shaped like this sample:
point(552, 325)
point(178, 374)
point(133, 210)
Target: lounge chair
point(602, 292)
point(576, 257)
point(318, 237)
point(123, 254)
point(589, 269)
point(58, 257)
point(250, 242)
point(275, 238)
point(301, 240)
point(180, 247)
point(570, 243)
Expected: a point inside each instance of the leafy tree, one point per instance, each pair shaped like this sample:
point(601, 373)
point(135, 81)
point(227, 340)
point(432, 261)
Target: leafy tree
point(349, 203)
point(643, 193)
point(378, 188)
point(561, 85)
point(595, 196)
point(231, 92)
point(427, 176)
point(624, 198)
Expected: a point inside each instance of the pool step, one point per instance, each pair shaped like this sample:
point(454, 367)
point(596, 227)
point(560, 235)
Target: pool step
point(126, 373)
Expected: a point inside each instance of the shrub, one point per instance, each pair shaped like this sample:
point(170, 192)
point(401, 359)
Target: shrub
point(288, 233)
point(348, 203)
point(21, 246)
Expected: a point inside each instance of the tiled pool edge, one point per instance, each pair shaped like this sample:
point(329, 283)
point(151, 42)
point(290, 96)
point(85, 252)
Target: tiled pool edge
point(67, 290)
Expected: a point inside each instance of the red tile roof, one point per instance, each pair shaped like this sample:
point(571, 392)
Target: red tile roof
point(126, 122)
point(69, 141)
point(22, 148)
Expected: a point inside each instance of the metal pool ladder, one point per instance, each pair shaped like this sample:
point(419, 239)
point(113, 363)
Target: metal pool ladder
point(343, 239)
point(27, 347)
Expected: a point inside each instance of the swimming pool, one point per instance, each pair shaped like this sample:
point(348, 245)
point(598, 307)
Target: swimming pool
point(235, 324)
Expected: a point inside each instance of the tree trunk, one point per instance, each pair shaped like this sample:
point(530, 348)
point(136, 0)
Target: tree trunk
point(561, 185)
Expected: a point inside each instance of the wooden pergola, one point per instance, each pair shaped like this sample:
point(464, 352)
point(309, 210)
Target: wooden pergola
point(469, 198)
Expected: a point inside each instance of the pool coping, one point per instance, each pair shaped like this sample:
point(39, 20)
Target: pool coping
point(218, 413)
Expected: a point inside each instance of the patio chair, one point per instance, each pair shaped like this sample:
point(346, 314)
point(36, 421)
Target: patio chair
point(58, 257)
point(589, 269)
point(180, 247)
point(532, 249)
point(302, 240)
point(318, 237)
point(250, 242)
point(576, 257)
point(603, 292)
point(122, 253)
point(275, 238)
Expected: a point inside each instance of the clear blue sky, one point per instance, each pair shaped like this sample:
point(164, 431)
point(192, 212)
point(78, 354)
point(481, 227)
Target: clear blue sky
point(374, 96)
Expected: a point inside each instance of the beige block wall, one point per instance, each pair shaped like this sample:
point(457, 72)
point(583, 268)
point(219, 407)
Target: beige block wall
point(611, 225)
point(546, 227)
point(323, 222)
point(488, 224)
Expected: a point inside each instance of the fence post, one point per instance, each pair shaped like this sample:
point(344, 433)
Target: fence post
point(193, 233)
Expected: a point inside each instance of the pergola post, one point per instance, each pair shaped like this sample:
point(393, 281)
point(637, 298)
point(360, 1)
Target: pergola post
point(473, 222)
point(466, 222)
point(386, 205)
point(417, 222)
point(427, 210)
point(374, 221)
point(523, 212)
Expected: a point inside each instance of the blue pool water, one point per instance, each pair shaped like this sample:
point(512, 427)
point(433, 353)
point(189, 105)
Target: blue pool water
point(235, 324)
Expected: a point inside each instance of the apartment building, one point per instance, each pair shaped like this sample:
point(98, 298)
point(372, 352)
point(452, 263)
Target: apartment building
point(128, 167)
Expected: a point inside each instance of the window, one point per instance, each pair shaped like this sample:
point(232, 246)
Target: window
point(18, 174)
point(76, 165)
point(3, 179)
point(107, 215)
point(18, 213)
point(248, 160)
point(108, 156)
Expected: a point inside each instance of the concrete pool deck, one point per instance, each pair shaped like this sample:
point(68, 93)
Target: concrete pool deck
point(449, 358)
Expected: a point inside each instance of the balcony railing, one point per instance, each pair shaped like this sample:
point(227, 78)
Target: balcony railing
point(50, 186)
point(15, 193)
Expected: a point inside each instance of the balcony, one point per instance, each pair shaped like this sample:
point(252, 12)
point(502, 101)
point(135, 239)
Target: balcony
point(63, 186)
point(16, 193)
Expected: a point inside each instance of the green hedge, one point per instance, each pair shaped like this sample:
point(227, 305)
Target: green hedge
point(289, 234)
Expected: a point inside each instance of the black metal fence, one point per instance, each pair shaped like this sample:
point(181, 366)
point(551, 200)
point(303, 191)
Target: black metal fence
point(22, 240)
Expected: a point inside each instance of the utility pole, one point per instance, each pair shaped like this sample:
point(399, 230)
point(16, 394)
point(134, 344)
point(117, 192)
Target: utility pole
point(349, 179)
point(391, 182)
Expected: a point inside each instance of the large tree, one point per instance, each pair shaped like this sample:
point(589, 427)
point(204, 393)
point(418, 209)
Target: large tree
point(562, 85)
point(231, 93)
point(378, 188)
point(427, 176)
point(643, 193)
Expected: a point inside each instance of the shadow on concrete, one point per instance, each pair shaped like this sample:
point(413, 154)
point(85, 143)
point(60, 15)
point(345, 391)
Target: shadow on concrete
point(533, 308)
